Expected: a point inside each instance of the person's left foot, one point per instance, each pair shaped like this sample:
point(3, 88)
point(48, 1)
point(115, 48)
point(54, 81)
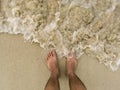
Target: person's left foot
point(52, 63)
point(71, 63)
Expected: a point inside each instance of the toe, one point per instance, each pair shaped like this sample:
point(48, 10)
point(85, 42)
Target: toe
point(71, 55)
point(54, 53)
point(48, 56)
point(51, 53)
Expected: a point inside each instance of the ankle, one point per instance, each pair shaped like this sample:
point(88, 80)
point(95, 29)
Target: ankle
point(70, 74)
point(55, 74)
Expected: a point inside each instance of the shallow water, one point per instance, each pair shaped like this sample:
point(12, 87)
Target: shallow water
point(85, 26)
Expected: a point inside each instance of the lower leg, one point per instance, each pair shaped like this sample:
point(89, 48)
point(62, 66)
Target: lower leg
point(53, 82)
point(74, 82)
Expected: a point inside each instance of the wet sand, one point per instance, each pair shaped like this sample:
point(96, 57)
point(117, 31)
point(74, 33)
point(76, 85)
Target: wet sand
point(22, 67)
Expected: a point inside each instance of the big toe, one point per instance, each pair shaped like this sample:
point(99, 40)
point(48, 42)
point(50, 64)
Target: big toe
point(49, 55)
point(71, 55)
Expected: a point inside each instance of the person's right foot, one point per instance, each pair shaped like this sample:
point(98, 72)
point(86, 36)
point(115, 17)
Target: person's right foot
point(71, 63)
point(52, 63)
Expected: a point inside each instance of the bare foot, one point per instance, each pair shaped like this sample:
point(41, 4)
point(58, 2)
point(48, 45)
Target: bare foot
point(71, 63)
point(52, 63)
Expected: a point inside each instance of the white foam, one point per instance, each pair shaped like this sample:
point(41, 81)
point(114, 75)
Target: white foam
point(82, 40)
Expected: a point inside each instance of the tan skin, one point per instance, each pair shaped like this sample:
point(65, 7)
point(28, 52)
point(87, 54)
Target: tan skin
point(71, 63)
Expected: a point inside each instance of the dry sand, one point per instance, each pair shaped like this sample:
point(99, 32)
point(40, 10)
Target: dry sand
point(22, 67)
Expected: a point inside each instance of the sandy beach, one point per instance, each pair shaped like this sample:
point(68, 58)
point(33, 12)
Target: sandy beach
point(22, 67)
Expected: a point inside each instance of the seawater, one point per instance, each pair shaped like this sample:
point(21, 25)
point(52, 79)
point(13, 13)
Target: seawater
point(89, 27)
